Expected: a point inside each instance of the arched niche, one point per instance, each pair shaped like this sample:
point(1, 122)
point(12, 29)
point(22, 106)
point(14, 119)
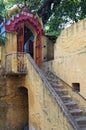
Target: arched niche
point(21, 108)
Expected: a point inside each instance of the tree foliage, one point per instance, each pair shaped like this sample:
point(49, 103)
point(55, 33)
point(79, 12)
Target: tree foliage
point(56, 14)
point(2, 8)
point(2, 39)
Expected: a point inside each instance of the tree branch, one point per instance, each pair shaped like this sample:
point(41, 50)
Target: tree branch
point(45, 11)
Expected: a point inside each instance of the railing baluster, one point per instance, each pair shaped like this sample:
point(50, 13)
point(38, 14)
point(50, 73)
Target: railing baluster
point(16, 63)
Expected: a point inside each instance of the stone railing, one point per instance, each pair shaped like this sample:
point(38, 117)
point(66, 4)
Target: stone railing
point(16, 63)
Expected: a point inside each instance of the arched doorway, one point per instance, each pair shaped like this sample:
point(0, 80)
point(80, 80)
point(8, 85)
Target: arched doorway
point(28, 41)
point(27, 26)
point(21, 107)
point(17, 25)
point(22, 94)
point(18, 109)
point(25, 39)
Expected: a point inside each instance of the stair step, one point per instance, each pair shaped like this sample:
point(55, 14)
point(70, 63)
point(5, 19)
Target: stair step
point(50, 74)
point(66, 97)
point(70, 103)
point(81, 119)
point(50, 78)
point(56, 85)
point(60, 90)
point(52, 81)
point(76, 112)
point(83, 128)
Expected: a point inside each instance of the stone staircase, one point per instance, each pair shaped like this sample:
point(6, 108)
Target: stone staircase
point(72, 106)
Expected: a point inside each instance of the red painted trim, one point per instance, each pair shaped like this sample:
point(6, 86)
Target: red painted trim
point(33, 24)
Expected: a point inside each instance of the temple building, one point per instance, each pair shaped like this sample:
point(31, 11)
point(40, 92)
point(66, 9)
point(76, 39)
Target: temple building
point(42, 83)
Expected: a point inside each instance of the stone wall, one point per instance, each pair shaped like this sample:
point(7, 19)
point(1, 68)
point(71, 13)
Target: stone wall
point(47, 49)
point(13, 104)
point(70, 54)
point(44, 108)
point(9, 47)
point(31, 99)
point(3, 104)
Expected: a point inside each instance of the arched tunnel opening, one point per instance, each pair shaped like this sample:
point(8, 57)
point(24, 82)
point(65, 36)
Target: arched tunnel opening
point(28, 41)
point(18, 110)
point(22, 95)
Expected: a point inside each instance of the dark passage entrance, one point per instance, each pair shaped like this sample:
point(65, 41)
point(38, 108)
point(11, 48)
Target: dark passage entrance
point(28, 41)
point(17, 115)
point(25, 40)
point(23, 105)
point(21, 108)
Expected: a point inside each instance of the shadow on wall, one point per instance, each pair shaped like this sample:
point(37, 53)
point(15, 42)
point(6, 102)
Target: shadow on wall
point(28, 41)
point(26, 127)
point(32, 128)
point(21, 107)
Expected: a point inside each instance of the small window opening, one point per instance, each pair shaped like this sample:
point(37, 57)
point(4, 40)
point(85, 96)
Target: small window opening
point(76, 87)
point(44, 46)
point(44, 57)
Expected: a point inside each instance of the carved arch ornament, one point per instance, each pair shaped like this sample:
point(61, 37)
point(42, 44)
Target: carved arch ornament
point(32, 23)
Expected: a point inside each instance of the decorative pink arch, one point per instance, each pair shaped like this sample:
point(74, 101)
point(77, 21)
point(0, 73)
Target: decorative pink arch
point(30, 21)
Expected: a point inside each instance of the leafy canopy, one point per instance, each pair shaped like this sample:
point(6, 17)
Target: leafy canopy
point(56, 14)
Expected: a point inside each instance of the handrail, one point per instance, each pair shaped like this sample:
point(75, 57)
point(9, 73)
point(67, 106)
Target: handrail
point(54, 94)
point(15, 53)
point(70, 87)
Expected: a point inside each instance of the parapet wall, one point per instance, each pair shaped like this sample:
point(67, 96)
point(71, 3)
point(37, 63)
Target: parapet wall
point(73, 39)
point(70, 55)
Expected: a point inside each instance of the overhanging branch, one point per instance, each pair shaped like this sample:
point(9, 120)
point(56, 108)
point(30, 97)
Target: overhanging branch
point(45, 11)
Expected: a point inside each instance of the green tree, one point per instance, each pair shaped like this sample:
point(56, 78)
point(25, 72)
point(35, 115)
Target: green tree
point(2, 39)
point(56, 14)
point(2, 8)
point(66, 13)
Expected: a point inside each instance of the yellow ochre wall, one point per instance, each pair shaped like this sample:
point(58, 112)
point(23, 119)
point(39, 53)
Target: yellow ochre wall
point(47, 49)
point(9, 47)
point(43, 111)
point(70, 55)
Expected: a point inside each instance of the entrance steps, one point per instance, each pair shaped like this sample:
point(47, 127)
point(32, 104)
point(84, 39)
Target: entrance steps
point(75, 112)
point(71, 104)
point(81, 120)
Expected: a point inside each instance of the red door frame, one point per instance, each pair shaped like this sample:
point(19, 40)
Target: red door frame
point(32, 23)
point(20, 38)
